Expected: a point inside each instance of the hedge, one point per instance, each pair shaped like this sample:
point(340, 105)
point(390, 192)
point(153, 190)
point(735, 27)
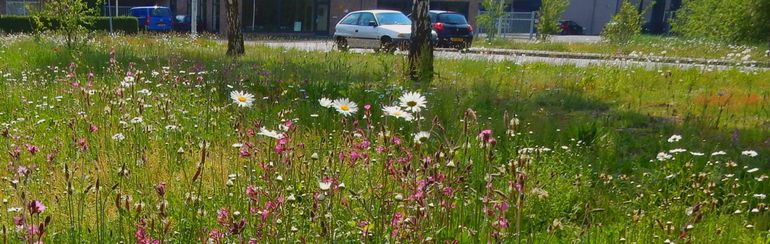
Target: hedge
point(25, 24)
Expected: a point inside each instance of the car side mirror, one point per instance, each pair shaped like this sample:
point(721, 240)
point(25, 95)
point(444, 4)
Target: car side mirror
point(372, 23)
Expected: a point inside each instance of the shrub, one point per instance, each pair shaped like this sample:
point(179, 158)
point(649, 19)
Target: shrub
point(71, 19)
point(25, 24)
point(550, 12)
point(489, 20)
point(626, 24)
point(724, 20)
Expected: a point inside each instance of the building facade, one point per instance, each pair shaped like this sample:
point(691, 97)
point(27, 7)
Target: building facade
point(318, 17)
point(311, 17)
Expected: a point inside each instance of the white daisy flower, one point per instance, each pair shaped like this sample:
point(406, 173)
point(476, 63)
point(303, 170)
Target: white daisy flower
point(677, 150)
point(118, 137)
point(345, 106)
point(421, 137)
point(325, 186)
point(137, 120)
point(243, 99)
point(412, 101)
point(662, 156)
point(397, 112)
point(325, 102)
point(718, 153)
point(675, 138)
point(750, 153)
point(270, 133)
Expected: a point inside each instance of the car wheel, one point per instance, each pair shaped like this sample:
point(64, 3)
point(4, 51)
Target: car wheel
point(387, 46)
point(342, 44)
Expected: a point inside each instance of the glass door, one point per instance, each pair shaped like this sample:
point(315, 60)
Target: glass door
point(322, 17)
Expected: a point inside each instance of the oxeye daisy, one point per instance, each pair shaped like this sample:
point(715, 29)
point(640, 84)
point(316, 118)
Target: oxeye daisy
point(397, 112)
point(243, 99)
point(325, 102)
point(412, 101)
point(345, 106)
point(270, 133)
point(750, 153)
point(421, 137)
point(674, 138)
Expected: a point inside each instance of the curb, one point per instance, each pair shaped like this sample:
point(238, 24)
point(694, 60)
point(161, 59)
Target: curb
point(596, 56)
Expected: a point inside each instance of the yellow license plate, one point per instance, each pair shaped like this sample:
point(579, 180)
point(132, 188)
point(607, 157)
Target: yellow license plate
point(456, 39)
point(162, 24)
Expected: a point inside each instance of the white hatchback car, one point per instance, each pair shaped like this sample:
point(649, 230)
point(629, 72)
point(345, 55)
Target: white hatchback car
point(383, 30)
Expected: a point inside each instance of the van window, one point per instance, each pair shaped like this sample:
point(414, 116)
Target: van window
point(161, 12)
point(139, 12)
point(352, 19)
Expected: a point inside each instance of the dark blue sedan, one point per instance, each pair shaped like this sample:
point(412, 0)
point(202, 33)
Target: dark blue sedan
point(452, 29)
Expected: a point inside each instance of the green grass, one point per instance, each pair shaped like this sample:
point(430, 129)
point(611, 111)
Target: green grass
point(598, 180)
point(645, 46)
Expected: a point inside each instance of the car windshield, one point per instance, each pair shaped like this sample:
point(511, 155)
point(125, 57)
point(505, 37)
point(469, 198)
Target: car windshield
point(161, 12)
point(452, 19)
point(393, 19)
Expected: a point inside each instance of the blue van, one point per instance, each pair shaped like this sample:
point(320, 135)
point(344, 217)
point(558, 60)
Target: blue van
point(154, 18)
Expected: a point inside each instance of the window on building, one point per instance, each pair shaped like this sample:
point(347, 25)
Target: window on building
point(21, 7)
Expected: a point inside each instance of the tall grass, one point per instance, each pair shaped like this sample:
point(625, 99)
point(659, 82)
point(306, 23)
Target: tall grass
point(137, 139)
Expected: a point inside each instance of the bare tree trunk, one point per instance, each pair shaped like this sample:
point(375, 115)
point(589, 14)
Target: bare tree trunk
point(234, 35)
point(420, 47)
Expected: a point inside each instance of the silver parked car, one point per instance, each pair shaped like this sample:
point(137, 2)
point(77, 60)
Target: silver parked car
point(382, 30)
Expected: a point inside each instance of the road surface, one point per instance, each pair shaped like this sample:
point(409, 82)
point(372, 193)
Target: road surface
point(326, 46)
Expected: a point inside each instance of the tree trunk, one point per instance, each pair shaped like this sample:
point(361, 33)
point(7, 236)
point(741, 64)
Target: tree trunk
point(234, 35)
point(420, 47)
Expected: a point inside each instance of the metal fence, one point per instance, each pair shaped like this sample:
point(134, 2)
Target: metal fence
point(121, 10)
point(515, 23)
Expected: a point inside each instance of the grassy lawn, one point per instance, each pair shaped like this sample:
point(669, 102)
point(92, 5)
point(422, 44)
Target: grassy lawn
point(134, 139)
point(644, 46)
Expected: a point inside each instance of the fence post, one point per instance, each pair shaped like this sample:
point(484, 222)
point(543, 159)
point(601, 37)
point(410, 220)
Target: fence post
point(533, 14)
point(109, 13)
point(194, 17)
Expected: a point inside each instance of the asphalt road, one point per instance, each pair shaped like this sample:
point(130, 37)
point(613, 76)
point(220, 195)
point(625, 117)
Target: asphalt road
point(326, 46)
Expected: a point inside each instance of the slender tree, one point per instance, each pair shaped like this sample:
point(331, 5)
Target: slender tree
point(420, 47)
point(234, 35)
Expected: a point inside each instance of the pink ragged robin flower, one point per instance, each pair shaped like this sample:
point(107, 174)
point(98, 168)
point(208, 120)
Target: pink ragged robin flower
point(36, 207)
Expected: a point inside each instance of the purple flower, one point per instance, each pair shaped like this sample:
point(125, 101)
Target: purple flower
point(161, 189)
point(223, 217)
point(244, 152)
point(36, 207)
point(32, 149)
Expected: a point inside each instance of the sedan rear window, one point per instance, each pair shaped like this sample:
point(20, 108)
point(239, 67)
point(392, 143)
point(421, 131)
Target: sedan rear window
point(452, 19)
point(393, 19)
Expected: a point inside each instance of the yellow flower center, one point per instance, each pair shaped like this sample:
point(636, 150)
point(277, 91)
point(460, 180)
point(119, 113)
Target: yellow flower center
point(242, 99)
point(345, 107)
point(411, 103)
point(397, 113)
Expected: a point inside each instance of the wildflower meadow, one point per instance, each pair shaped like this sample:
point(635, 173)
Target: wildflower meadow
point(166, 140)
